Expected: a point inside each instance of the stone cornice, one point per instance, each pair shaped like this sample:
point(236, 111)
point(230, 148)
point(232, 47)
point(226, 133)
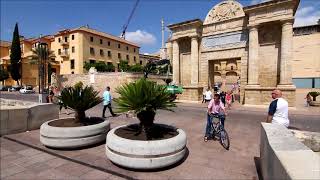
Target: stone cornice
point(268, 4)
point(195, 23)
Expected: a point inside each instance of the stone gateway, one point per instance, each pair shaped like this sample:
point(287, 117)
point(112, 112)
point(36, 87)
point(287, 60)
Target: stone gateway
point(251, 46)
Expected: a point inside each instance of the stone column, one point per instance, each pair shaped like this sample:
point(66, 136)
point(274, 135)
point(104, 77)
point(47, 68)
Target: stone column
point(176, 62)
point(253, 71)
point(286, 53)
point(194, 61)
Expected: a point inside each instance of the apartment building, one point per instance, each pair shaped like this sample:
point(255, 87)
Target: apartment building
point(75, 47)
point(29, 70)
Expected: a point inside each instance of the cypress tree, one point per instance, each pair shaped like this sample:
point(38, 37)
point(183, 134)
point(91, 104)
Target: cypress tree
point(15, 56)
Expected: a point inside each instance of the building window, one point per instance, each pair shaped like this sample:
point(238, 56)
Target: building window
point(109, 63)
point(65, 39)
point(59, 39)
point(231, 67)
point(127, 48)
point(134, 50)
point(91, 51)
point(59, 51)
point(119, 46)
point(92, 61)
point(72, 49)
point(109, 53)
point(217, 68)
point(140, 62)
point(109, 43)
point(119, 55)
point(128, 57)
point(101, 52)
point(134, 59)
point(72, 37)
point(72, 64)
point(118, 66)
point(101, 41)
point(91, 38)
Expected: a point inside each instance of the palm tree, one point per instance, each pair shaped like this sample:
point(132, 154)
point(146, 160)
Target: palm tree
point(144, 98)
point(79, 99)
point(43, 57)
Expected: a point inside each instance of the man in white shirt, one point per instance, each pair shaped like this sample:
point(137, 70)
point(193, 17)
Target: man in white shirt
point(278, 109)
point(208, 95)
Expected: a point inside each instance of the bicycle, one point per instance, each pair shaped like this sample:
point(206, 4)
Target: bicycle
point(218, 130)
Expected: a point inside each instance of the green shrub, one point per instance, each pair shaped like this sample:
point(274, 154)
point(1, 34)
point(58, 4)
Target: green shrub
point(314, 94)
point(144, 98)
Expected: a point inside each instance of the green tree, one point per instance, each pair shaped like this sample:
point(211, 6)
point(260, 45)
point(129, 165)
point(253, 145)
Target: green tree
point(100, 66)
point(3, 74)
point(124, 66)
point(144, 98)
point(15, 56)
point(40, 53)
point(136, 68)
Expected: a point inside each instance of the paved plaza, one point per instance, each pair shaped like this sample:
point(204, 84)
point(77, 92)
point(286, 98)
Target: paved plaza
point(24, 157)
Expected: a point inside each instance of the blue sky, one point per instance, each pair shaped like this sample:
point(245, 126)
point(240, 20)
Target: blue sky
point(37, 17)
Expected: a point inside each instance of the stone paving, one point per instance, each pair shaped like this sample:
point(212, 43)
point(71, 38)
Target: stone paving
point(22, 155)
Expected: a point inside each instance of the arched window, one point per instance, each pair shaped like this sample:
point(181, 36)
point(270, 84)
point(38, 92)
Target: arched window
point(231, 67)
point(217, 68)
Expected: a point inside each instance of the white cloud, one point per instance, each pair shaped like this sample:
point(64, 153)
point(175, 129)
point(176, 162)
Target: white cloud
point(307, 16)
point(141, 37)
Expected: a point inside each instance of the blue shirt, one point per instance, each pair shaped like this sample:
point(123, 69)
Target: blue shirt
point(106, 98)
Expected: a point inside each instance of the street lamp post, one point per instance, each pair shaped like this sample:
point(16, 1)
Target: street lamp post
point(43, 57)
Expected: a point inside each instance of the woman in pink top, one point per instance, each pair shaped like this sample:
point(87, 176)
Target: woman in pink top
point(215, 107)
point(228, 99)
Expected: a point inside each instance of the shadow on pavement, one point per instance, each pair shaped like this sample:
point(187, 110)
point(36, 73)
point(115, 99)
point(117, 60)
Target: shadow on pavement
point(257, 162)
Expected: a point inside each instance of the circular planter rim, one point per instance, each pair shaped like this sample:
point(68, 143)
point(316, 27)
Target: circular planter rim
point(86, 127)
point(112, 131)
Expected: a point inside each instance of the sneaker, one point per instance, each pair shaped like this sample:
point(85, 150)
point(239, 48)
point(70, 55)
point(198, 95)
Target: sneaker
point(205, 139)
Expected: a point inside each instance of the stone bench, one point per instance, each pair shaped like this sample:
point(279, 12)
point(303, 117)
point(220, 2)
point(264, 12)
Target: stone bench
point(20, 116)
point(283, 156)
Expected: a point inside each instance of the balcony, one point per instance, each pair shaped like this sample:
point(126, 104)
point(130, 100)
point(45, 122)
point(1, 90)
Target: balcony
point(63, 43)
point(64, 54)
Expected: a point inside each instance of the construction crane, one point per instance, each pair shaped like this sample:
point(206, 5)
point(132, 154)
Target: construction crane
point(125, 26)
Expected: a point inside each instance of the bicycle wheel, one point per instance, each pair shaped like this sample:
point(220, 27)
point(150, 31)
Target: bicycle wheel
point(224, 139)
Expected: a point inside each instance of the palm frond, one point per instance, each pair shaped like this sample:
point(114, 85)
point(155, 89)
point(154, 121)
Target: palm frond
point(143, 95)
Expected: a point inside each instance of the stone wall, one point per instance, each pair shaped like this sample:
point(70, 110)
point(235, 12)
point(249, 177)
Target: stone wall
point(283, 156)
point(102, 80)
point(262, 95)
point(20, 116)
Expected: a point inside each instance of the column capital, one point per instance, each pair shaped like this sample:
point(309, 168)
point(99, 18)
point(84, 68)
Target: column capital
point(288, 21)
point(194, 37)
point(253, 27)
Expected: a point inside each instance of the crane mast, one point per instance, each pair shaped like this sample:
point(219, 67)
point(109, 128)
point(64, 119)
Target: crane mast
point(125, 26)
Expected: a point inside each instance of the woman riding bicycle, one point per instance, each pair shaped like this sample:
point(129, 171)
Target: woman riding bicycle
point(215, 108)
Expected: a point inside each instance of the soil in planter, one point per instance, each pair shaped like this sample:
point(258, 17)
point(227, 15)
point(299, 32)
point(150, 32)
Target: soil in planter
point(71, 122)
point(158, 132)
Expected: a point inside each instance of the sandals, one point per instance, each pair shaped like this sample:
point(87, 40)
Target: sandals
point(205, 139)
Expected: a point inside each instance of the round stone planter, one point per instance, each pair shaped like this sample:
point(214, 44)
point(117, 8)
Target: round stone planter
point(137, 154)
point(315, 103)
point(73, 137)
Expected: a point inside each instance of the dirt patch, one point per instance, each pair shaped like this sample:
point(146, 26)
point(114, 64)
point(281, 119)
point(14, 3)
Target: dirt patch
point(158, 132)
point(71, 122)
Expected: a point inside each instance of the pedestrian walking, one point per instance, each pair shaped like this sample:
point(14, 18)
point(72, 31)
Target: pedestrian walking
point(308, 100)
point(107, 98)
point(228, 99)
point(278, 109)
point(208, 95)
